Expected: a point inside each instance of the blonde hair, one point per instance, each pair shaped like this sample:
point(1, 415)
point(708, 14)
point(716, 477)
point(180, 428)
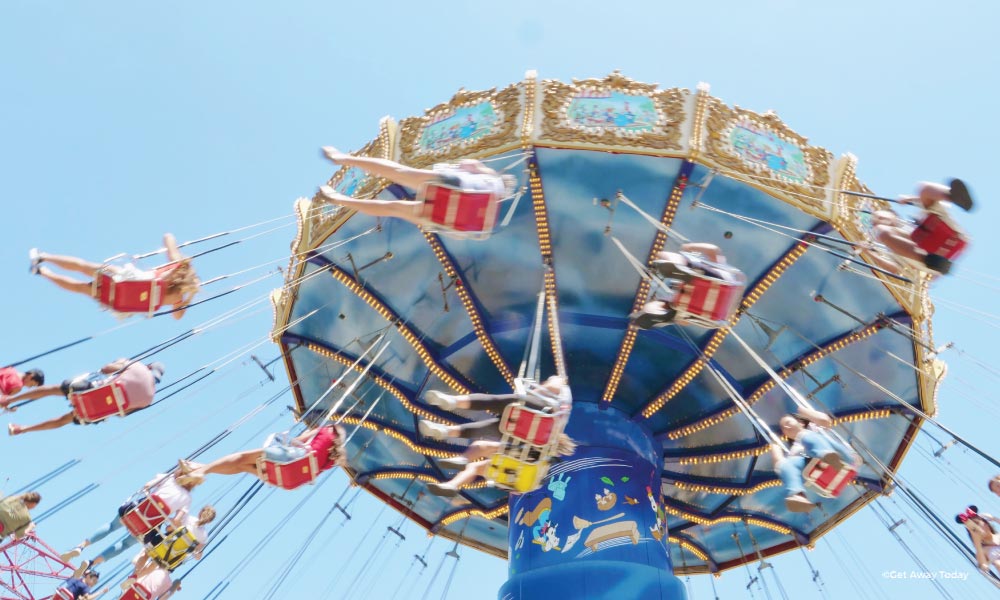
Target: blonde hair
point(206, 515)
point(182, 278)
point(338, 454)
point(565, 446)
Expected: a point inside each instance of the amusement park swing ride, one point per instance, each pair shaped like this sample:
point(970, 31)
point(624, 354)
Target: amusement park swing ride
point(673, 425)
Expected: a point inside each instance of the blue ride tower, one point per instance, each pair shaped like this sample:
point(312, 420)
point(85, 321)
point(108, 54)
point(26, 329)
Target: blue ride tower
point(597, 529)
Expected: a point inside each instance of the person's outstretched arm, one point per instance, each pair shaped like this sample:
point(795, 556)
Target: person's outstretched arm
point(820, 418)
point(711, 251)
point(39, 392)
point(170, 243)
point(114, 367)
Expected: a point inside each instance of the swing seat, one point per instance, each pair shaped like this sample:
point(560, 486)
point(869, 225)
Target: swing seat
point(528, 425)
point(709, 301)
point(97, 404)
point(174, 549)
point(136, 591)
point(146, 516)
point(289, 475)
point(827, 481)
point(935, 235)
point(63, 594)
point(128, 296)
point(455, 211)
point(516, 475)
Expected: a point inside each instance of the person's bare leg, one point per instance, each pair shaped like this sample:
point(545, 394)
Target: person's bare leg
point(67, 283)
point(399, 209)
point(393, 171)
point(70, 263)
point(144, 566)
point(41, 391)
point(233, 464)
point(56, 423)
point(898, 242)
point(470, 473)
point(884, 263)
point(930, 193)
point(481, 449)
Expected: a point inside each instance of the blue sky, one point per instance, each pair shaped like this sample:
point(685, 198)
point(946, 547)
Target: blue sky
point(123, 120)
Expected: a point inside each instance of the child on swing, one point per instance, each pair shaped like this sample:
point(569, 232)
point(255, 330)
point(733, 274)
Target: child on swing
point(326, 442)
point(180, 282)
point(552, 394)
point(806, 431)
point(468, 175)
point(694, 258)
point(896, 234)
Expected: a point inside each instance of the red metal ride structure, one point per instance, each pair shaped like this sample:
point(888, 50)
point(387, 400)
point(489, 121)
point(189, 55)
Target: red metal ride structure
point(30, 569)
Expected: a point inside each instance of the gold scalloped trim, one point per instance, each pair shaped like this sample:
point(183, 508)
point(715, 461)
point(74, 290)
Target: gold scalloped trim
point(669, 104)
point(506, 105)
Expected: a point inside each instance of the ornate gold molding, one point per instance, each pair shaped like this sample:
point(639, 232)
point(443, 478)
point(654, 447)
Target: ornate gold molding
point(433, 138)
point(658, 130)
point(799, 179)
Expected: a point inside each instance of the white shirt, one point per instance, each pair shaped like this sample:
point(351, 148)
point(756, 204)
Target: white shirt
point(797, 447)
point(474, 182)
point(176, 497)
point(191, 523)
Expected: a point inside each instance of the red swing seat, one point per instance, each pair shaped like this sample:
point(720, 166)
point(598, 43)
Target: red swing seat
point(63, 594)
point(528, 425)
point(99, 403)
point(136, 591)
point(129, 296)
point(289, 475)
point(146, 516)
point(827, 481)
point(452, 209)
point(935, 235)
point(708, 301)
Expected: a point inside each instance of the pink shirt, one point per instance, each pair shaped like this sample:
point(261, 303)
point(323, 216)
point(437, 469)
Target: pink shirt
point(157, 582)
point(139, 385)
point(10, 381)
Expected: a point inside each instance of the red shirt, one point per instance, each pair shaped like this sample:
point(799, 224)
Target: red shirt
point(10, 381)
point(321, 443)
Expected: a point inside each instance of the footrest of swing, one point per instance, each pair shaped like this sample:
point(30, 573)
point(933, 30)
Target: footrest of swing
point(826, 480)
point(516, 475)
point(128, 296)
point(174, 549)
point(459, 210)
point(709, 300)
point(136, 591)
point(146, 516)
point(99, 403)
point(935, 235)
point(528, 425)
point(289, 475)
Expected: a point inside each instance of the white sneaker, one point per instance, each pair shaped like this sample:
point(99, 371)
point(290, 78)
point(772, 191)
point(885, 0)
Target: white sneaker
point(36, 260)
point(440, 400)
point(457, 462)
point(434, 431)
point(78, 573)
point(71, 554)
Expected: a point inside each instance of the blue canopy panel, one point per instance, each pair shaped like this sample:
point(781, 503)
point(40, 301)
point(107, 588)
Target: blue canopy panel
point(444, 305)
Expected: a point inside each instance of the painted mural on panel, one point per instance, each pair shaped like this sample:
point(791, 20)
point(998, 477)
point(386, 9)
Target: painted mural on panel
point(612, 110)
point(353, 177)
point(463, 124)
point(609, 505)
point(760, 147)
